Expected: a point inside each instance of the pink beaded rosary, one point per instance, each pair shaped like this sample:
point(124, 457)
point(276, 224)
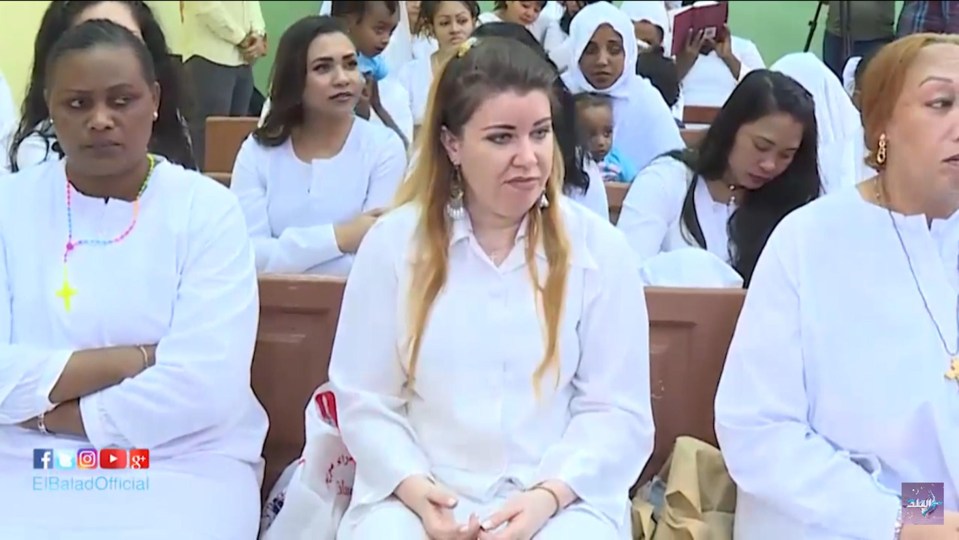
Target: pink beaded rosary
point(66, 292)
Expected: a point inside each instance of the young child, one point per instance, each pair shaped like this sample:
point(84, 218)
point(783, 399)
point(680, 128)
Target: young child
point(371, 24)
point(594, 117)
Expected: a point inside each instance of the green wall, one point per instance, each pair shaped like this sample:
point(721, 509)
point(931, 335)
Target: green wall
point(776, 27)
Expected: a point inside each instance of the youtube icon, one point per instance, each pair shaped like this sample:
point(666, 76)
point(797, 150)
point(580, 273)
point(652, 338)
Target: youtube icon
point(113, 458)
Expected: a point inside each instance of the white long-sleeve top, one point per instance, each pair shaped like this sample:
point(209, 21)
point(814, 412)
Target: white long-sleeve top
point(833, 391)
point(291, 206)
point(651, 215)
point(473, 421)
point(184, 279)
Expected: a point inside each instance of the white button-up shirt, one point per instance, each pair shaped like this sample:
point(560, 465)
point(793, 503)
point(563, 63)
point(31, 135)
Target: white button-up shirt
point(472, 420)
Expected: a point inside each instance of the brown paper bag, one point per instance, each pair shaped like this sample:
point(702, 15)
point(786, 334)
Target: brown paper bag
point(700, 495)
point(642, 516)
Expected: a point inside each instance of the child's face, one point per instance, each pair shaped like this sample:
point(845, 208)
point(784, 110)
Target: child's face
point(522, 12)
point(596, 126)
point(372, 32)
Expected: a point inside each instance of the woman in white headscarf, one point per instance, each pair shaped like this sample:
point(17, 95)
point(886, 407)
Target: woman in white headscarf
point(840, 128)
point(604, 52)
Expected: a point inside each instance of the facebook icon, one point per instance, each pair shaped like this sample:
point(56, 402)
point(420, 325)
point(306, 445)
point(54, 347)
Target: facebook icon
point(42, 458)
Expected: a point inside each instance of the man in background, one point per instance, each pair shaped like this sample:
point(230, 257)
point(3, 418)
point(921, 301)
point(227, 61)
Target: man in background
point(941, 17)
point(870, 25)
point(222, 40)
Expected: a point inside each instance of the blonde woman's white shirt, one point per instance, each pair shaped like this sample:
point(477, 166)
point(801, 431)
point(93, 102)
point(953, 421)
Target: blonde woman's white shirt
point(291, 206)
point(473, 421)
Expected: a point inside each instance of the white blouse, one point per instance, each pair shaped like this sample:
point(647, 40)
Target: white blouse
point(183, 279)
point(833, 391)
point(709, 83)
point(473, 421)
point(291, 207)
point(651, 214)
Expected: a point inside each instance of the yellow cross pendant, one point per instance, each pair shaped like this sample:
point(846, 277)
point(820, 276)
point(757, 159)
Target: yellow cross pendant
point(953, 372)
point(66, 292)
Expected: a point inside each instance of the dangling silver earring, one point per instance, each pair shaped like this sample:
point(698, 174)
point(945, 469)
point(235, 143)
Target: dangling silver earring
point(454, 207)
point(543, 201)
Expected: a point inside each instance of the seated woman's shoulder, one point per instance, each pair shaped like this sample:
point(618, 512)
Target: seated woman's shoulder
point(203, 192)
point(590, 234)
point(377, 137)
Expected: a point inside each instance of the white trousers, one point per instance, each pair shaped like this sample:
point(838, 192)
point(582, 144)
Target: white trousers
point(392, 520)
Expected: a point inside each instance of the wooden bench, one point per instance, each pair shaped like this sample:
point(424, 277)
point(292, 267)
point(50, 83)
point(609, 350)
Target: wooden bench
point(615, 194)
point(692, 136)
point(699, 115)
point(224, 136)
point(298, 316)
point(690, 333)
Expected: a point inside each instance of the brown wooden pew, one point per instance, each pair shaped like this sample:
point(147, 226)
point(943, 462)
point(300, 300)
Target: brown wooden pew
point(224, 135)
point(692, 136)
point(298, 316)
point(615, 193)
point(699, 115)
point(690, 332)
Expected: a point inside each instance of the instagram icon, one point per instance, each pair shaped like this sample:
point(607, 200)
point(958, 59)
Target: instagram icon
point(87, 458)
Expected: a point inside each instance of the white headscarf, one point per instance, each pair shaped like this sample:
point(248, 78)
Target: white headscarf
point(644, 127)
point(400, 49)
point(838, 120)
point(654, 12)
point(849, 74)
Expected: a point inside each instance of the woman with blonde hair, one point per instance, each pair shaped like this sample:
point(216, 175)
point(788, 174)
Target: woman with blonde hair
point(841, 380)
point(491, 361)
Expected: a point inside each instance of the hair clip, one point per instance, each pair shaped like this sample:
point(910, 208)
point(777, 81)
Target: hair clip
point(465, 47)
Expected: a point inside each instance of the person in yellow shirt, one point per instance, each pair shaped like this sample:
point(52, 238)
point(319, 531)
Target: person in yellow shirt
point(222, 41)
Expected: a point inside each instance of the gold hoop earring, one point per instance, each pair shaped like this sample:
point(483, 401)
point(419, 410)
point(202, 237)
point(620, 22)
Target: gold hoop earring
point(881, 151)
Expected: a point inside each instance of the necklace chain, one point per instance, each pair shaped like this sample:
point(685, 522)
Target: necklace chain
point(66, 291)
point(915, 279)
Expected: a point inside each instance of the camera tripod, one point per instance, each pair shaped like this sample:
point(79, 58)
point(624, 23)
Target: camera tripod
point(844, 23)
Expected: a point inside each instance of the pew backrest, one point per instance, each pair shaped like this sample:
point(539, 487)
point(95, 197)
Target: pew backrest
point(223, 178)
point(690, 332)
point(692, 136)
point(615, 194)
point(699, 115)
point(298, 317)
point(224, 136)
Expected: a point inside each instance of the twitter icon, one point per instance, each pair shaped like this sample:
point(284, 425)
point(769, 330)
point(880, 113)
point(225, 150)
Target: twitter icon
point(64, 459)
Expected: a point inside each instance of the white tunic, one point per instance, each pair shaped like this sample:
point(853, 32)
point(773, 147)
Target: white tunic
point(474, 422)
point(709, 83)
point(833, 391)
point(291, 207)
point(651, 214)
point(184, 279)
